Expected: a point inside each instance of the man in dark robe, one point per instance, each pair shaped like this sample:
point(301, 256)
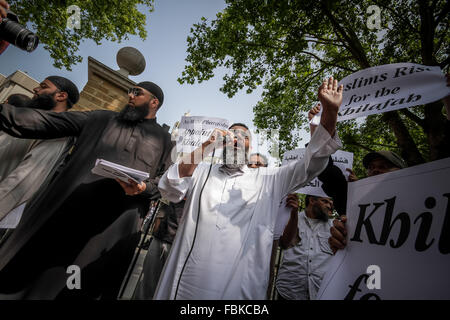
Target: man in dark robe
point(78, 218)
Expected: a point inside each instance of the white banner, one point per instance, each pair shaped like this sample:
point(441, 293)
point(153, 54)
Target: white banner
point(398, 237)
point(341, 159)
point(391, 87)
point(193, 131)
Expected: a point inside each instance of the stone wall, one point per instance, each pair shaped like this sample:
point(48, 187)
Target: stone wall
point(17, 82)
point(105, 89)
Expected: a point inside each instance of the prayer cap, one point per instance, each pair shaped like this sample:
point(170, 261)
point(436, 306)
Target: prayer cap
point(66, 85)
point(154, 89)
point(392, 157)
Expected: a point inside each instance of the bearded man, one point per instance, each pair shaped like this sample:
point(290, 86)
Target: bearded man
point(307, 256)
point(26, 163)
point(223, 243)
point(82, 221)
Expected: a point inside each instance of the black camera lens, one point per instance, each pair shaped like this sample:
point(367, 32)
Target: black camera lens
point(18, 35)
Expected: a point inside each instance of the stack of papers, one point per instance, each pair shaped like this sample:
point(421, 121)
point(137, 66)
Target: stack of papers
point(116, 171)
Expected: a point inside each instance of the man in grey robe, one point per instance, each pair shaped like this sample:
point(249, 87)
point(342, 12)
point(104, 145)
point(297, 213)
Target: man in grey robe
point(80, 218)
point(26, 163)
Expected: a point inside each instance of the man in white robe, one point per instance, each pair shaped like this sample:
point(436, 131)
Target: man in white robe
point(222, 249)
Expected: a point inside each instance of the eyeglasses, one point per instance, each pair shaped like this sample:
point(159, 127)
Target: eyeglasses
point(238, 133)
point(135, 91)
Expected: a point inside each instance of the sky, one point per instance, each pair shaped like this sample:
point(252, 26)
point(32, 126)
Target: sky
point(168, 27)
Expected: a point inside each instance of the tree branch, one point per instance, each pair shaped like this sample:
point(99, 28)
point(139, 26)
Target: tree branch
point(331, 63)
point(323, 41)
point(427, 32)
point(413, 117)
point(351, 41)
point(442, 38)
point(444, 12)
point(398, 16)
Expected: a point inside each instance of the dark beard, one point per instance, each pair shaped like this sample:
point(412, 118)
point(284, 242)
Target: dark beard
point(132, 115)
point(234, 158)
point(319, 214)
point(42, 102)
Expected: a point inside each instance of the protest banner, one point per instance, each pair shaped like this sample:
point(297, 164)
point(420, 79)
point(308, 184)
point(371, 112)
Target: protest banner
point(342, 159)
point(398, 237)
point(194, 130)
point(390, 87)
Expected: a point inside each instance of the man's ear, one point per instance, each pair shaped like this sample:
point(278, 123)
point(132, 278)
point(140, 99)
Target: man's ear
point(61, 96)
point(154, 103)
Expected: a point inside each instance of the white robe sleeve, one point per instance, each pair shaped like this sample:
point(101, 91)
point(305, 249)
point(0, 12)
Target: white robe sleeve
point(291, 177)
point(283, 215)
point(174, 188)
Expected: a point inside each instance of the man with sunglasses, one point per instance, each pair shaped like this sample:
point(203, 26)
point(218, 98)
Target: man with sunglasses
point(223, 243)
point(80, 218)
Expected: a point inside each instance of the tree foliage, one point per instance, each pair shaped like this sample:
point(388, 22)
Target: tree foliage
point(288, 47)
point(111, 20)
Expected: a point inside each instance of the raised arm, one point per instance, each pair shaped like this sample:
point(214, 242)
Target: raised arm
point(330, 96)
point(188, 164)
point(175, 183)
point(323, 143)
point(40, 124)
point(290, 235)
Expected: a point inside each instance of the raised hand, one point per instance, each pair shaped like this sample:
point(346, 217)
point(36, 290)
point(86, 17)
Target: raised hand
point(338, 232)
point(352, 176)
point(3, 6)
point(292, 202)
point(330, 96)
point(315, 110)
point(216, 138)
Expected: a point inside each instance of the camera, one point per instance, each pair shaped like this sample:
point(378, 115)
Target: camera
point(13, 32)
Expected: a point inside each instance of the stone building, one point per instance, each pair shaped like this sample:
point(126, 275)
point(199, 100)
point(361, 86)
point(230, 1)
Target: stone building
point(17, 82)
point(106, 88)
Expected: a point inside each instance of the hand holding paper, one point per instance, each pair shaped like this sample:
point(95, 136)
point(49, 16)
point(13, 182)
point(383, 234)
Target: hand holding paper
point(314, 117)
point(338, 234)
point(132, 188)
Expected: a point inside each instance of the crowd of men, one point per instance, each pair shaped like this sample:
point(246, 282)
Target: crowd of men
point(217, 230)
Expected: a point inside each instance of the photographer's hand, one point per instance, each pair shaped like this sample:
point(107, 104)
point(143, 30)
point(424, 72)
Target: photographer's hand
point(3, 6)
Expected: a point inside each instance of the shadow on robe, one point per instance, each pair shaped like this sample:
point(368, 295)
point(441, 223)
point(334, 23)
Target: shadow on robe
point(97, 228)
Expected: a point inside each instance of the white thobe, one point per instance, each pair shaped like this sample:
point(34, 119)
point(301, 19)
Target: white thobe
point(233, 242)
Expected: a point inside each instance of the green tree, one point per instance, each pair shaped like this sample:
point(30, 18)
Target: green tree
point(288, 47)
point(111, 20)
